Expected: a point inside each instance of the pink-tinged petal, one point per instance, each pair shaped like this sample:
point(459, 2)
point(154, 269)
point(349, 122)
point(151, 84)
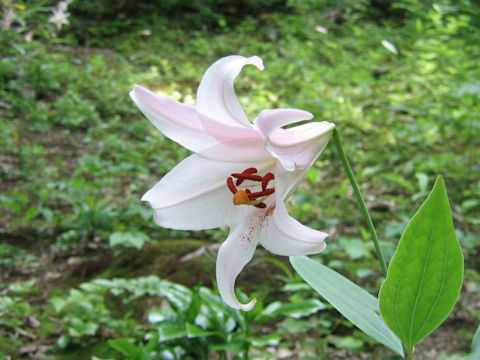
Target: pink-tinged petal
point(175, 120)
point(286, 236)
point(216, 95)
point(270, 120)
point(225, 132)
point(232, 257)
point(249, 149)
point(287, 181)
point(298, 147)
point(293, 148)
point(194, 195)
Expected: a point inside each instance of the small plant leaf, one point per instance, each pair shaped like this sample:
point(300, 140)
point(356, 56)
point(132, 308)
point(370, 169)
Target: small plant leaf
point(128, 239)
point(171, 331)
point(353, 302)
point(475, 354)
point(196, 331)
point(295, 310)
point(426, 272)
point(125, 347)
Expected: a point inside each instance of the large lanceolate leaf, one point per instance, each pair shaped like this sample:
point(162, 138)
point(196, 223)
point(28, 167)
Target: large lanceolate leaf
point(425, 275)
point(356, 304)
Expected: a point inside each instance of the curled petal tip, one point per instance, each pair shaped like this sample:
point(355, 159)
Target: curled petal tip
point(234, 303)
point(216, 94)
point(248, 306)
point(257, 62)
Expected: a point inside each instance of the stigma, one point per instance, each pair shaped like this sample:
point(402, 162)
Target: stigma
point(257, 182)
point(241, 198)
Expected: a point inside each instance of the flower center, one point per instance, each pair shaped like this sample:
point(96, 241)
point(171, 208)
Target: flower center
point(246, 196)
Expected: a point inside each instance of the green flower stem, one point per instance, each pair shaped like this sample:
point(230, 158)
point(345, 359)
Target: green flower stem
point(358, 194)
point(409, 355)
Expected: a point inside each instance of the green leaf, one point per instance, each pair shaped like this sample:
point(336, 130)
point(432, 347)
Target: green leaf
point(224, 316)
point(170, 331)
point(152, 343)
point(426, 272)
point(125, 347)
point(196, 331)
point(347, 342)
point(265, 340)
point(475, 354)
point(476, 341)
point(128, 239)
point(296, 310)
point(58, 303)
point(357, 305)
point(355, 248)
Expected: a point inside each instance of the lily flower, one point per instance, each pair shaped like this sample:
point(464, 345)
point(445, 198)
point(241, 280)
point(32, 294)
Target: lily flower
point(59, 17)
point(240, 174)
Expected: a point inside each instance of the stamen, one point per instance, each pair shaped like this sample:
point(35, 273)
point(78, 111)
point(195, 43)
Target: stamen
point(230, 185)
point(258, 194)
point(251, 170)
point(248, 177)
point(261, 205)
point(266, 179)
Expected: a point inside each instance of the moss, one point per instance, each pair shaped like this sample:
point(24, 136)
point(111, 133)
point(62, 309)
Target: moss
point(162, 258)
point(7, 348)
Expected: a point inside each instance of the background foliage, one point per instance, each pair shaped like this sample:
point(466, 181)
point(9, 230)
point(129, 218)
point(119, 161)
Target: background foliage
point(85, 272)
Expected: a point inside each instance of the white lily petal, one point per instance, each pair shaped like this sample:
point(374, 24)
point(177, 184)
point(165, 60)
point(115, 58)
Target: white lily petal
point(194, 195)
point(270, 120)
point(249, 149)
point(286, 236)
point(298, 147)
point(294, 147)
point(224, 132)
point(286, 181)
point(216, 95)
point(175, 120)
point(232, 257)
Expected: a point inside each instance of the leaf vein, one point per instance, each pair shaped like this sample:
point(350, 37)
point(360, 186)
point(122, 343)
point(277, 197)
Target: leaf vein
point(417, 298)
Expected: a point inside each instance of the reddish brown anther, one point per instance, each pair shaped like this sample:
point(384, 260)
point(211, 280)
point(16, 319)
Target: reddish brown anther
point(230, 185)
point(255, 195)
point(266, 179)
point(247, 177)
point(251, 170)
